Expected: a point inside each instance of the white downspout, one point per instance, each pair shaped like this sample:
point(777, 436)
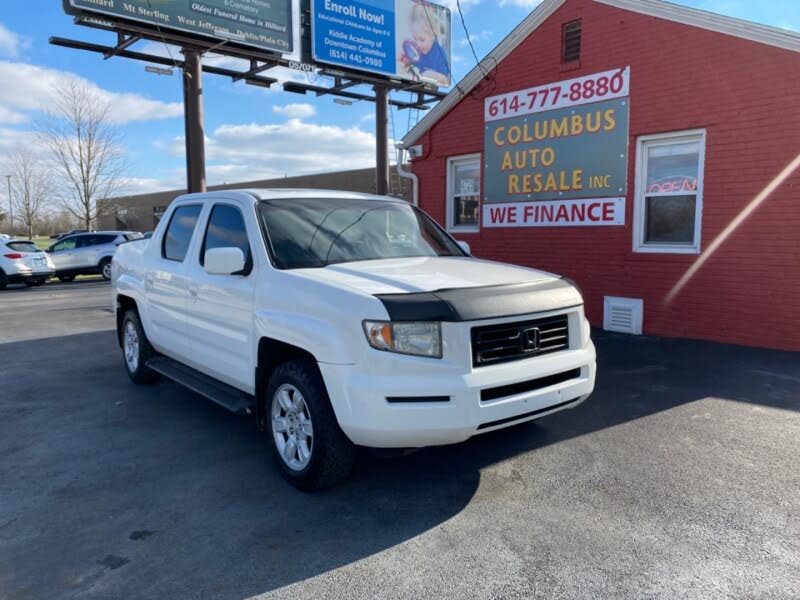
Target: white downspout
point(408, 175)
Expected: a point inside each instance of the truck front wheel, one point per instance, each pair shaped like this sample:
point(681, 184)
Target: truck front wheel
point(136, 349)
point(307, 443)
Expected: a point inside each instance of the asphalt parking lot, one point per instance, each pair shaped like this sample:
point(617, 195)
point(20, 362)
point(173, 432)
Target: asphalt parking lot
point(679, 478)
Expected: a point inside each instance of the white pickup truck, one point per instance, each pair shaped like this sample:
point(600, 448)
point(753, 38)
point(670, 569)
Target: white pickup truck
point(341, 320)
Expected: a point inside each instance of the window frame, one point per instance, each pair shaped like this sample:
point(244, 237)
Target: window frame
point(169, 223)
point(452, 162)
point(248, 259)
point(643, 142)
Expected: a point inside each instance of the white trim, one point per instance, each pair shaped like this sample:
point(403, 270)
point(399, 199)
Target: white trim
point(450, 195)
point(773, 36)
point(642, 142)
point(755, 32)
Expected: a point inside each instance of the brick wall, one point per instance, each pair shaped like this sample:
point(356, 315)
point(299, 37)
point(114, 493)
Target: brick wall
point(744, 94)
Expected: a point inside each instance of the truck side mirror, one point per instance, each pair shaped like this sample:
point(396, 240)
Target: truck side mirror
point(464, 246)
point(224, 261)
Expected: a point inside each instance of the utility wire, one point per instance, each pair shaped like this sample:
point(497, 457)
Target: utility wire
point(164, 40)
point(469, 40)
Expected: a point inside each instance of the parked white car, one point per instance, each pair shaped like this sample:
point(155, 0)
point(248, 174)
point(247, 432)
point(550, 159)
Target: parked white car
point(21, 261)
point(341, 319)
point(88, 253)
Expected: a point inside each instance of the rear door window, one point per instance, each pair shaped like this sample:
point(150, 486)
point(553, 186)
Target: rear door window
point(99, 240)
point(179, 232)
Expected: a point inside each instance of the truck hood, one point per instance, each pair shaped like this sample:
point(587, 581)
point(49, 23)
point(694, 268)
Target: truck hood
point(423, 274)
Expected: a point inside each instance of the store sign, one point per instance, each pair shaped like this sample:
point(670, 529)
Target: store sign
point(598, 211)
point(406, 39)
point(572, 92)
point(263, 24)
point(554, 143)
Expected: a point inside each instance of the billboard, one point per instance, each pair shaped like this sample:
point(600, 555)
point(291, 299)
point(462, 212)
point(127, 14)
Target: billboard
point(561, 149)
point(263, 24)
point(404, 39)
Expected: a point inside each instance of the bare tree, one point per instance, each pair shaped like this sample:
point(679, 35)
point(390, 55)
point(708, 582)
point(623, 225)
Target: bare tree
point(85, 148)
point(31, 186)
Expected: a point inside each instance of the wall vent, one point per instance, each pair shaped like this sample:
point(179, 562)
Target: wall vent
point(571, 41)
point(624, 315)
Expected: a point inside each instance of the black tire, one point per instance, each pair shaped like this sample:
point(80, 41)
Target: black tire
point(140, 375)
point(332, 453)
point(105, 269)
point(66, 278)
point(3, 280)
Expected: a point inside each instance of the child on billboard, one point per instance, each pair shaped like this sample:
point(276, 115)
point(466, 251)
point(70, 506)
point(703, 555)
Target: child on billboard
point(425, 54)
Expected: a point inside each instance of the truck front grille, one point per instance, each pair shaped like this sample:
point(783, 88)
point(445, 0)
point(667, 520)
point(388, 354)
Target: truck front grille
point(506, 342)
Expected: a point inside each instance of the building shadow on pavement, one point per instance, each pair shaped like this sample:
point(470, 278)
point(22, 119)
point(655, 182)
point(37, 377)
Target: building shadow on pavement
point(115, 491)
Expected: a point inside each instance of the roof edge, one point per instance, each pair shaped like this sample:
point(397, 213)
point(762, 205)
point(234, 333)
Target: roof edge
point(694, 17)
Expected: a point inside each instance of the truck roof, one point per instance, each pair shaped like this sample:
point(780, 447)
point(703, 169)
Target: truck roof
point(289, 193)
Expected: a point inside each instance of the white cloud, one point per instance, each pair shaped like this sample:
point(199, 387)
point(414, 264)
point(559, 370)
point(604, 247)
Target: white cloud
point(451, 4)
point(130, 186)
point(11, 44)
point(482, 35)
point(253, 151)
point(295, 110)
point(526, 4)
point(28, 88)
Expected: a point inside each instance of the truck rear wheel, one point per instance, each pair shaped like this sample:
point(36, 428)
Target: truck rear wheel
point(136, 350)
point(310, 449)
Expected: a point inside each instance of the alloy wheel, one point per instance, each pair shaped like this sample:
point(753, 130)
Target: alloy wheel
point(292, 428)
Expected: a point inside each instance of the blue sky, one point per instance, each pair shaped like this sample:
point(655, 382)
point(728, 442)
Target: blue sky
point(252, 133)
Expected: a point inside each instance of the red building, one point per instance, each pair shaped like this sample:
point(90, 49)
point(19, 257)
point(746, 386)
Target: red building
point(649, 151)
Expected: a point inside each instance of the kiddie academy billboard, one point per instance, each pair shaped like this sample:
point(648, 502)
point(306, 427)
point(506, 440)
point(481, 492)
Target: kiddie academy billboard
point(407, 39)
point(557, 154)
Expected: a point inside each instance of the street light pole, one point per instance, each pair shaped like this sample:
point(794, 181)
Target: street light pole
point(10, 206)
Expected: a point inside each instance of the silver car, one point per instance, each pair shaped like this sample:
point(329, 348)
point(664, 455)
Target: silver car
point(88, 253)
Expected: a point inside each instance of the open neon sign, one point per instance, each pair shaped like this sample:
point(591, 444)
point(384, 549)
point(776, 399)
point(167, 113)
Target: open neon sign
point(673, 184)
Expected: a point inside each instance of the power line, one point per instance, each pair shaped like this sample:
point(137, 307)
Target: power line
point(164, 40)
point(469, 39)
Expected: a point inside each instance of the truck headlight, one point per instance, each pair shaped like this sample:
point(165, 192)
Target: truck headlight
point(418, 338)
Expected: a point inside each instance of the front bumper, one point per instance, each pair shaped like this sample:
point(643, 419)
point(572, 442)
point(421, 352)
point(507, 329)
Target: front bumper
point(369, 419)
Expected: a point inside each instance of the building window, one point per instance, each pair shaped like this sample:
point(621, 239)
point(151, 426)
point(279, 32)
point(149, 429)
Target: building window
point(463, 192)
point(571, 41)
point(669, 192)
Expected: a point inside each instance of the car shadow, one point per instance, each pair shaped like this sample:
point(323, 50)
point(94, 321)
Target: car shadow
point(152, 489)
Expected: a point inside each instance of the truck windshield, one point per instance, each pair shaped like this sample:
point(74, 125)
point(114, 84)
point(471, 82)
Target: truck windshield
point(315, 232)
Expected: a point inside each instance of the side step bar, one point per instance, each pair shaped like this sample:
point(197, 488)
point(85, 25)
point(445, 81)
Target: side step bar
point(226, 396)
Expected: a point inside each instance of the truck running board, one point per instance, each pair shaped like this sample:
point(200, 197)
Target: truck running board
point(226, 396)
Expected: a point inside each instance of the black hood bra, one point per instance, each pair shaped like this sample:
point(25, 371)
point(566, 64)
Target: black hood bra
point(478, 303)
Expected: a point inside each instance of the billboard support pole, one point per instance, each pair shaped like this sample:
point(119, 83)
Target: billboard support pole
point(381, 140)
point(193, 117)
